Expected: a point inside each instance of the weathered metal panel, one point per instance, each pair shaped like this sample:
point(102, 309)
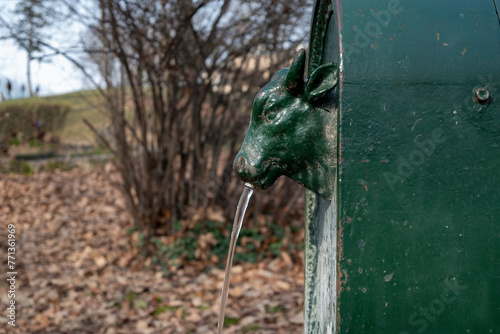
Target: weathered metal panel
point(320, 295)
point(418, 176)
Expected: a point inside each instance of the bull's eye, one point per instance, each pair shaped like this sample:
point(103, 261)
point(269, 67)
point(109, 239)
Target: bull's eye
point(271, 115)
point(271, 109)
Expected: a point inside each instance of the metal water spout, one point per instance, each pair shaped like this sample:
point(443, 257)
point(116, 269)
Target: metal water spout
point(291, 131)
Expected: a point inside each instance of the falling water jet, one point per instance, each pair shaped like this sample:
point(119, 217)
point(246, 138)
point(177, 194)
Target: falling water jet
point(238, 221)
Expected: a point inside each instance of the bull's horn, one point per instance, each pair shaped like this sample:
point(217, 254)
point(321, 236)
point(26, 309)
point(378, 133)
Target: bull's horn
point(294, 81)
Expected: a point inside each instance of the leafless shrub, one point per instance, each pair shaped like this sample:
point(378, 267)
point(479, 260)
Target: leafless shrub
point(179, 78)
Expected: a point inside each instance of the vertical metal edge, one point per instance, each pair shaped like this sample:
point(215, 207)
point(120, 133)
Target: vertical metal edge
point(338, 13)
point(321, 237)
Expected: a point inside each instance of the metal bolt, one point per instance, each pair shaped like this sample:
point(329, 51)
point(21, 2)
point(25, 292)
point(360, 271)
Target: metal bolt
point(482, 95)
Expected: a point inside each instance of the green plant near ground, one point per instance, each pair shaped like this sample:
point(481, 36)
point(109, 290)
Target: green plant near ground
point(230, 321)
point(274, 309)
point(183, 248)
point(164, 308)
point(251, 328)
point(19, 167)
point(96, 151)
point(59, 164)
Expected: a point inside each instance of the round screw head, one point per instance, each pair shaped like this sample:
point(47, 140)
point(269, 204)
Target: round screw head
point(482, 95)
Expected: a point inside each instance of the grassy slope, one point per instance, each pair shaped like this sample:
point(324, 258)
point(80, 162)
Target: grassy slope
point(84, 104)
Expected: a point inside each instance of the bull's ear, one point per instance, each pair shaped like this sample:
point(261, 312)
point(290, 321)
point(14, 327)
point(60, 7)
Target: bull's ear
point(294, 81)
point(322, 81)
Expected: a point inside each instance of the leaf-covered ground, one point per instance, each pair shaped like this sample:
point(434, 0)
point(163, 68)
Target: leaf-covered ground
point(81, 270)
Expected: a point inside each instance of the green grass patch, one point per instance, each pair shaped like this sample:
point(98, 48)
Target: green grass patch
point(18, 167)
point(274, 309)
point(59, 164)
point(84, 104)
point(163, 309)
point(251, 328)
point(230, 321)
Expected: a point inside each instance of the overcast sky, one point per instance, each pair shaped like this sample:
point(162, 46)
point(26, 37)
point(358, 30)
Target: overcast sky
point(55, 77)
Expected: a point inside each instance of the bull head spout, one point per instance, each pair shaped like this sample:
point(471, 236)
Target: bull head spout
point(291, 131)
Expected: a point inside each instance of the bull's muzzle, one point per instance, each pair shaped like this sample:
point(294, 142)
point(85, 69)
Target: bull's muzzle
point(259, 175)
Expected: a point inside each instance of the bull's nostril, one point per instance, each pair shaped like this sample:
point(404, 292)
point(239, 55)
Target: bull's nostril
point(240, 166)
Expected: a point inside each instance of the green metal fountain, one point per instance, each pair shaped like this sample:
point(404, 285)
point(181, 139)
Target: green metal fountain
point(392, 123)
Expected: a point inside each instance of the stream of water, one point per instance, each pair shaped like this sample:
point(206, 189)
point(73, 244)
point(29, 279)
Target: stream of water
point(238, 221)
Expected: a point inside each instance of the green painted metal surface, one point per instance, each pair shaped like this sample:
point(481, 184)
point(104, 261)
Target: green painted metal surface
point(419, 159)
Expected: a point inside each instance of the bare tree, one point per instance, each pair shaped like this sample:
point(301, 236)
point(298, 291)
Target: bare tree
point(178, 78)
point(31, 18)
point(178, 74)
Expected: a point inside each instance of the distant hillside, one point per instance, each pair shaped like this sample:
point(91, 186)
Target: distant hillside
point(84, 104)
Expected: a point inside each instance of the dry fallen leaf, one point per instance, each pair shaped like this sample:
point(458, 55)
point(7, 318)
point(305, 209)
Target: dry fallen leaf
point(81, 271)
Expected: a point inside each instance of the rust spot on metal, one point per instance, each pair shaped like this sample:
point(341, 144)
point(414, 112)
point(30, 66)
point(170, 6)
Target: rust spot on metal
point(465, 50)
point(341, 274)
point(341, 148)
point(340, 252)
point(342, 279)
point(339, 239)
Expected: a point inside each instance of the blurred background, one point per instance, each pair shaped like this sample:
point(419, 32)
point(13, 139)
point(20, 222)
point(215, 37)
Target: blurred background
point(119, 123)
